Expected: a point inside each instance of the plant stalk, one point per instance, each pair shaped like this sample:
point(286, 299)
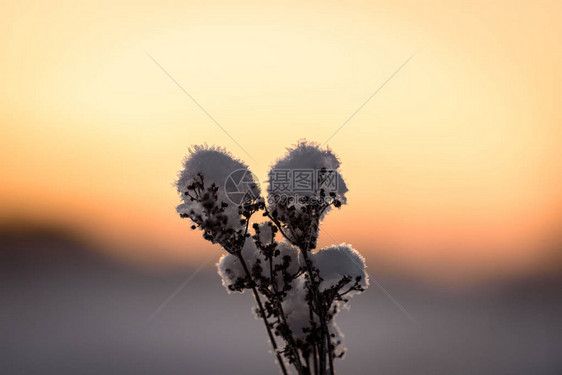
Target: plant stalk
point(284, 319)
point(262, 312)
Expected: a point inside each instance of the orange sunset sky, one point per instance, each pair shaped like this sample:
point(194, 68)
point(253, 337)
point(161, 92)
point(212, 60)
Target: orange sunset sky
point(454, 167)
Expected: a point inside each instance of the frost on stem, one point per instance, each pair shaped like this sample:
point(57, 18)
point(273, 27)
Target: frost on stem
point(201, 185)
point(298, 208)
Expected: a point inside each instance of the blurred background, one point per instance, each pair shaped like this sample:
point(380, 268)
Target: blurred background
point(454, 169)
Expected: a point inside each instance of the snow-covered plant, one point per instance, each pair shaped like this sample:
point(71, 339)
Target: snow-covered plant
point(201, 184)
point(298, 290)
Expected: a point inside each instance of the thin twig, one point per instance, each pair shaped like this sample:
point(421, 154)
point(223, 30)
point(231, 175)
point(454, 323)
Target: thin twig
point(279, 307)
point(262, 313)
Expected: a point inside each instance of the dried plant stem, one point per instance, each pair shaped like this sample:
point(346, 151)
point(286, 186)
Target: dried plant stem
point(262, 313)
point(291, 341)
point(314, 349)
point(324, 331)
point(330, 351)
point(325, 347)
point(314, 290)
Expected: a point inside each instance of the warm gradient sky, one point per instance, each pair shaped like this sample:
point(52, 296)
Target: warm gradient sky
point(454, 167)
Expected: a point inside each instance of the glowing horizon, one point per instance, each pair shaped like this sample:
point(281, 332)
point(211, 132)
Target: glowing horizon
point(453, 167)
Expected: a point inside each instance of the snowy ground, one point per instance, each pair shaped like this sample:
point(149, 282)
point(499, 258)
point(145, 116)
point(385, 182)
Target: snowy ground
point(66, 311)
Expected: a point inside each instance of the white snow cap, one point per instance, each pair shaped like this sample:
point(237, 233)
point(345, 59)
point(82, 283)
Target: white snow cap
point(298, 315)
point(336, 337)
point(285, 250)
point(216, 166)
point(296, 308)
point(308, 156)
point(306, 178)
point(336, 262)
point(230, 268)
